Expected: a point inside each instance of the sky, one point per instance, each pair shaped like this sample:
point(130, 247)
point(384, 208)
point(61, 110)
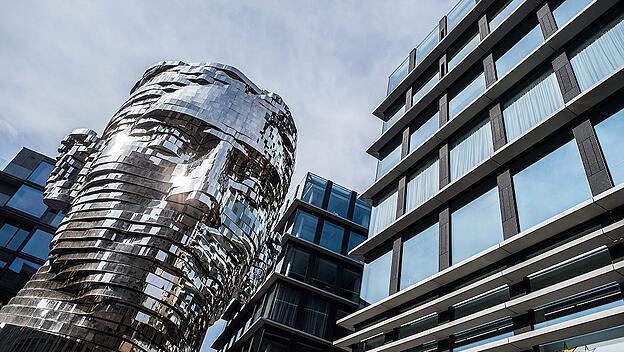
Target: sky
point(69, 64)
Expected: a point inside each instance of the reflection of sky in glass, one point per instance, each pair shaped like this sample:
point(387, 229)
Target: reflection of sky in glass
point(504, 13)
point(376, 279)
point(567, 10)
point(424, 131)
point(467, 95)
point(550, 186)
point(463, 52)
point(420, 256)
point(331, 237)
point(611, 137)
point(476, 226)
point(580, 314)
point(458, 12)
point(519, 51)
point(305, 226)
point(425, 88)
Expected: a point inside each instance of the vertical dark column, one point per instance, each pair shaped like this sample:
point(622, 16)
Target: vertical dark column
point(443, 66)
point(443, 162)
point(546, 21)
point(498, 127)
point(396, 265)
point(484, 27)
point(443, 109)
point(328, 188)
point(405, 147)
point(593, 159)
point(401, 197)
point(412, 60)
point(565, 77)
point(442, 28)
point(507, 201)
point(445, 238)
point(408, 99)
point(489, 70)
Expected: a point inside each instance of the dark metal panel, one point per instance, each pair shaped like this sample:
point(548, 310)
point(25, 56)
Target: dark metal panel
point(593, 160)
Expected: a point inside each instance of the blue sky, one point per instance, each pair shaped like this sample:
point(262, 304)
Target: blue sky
point(68, 64)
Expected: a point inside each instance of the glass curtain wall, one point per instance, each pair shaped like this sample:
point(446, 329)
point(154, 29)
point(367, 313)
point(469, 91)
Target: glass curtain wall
point(470, 149)
point(473, 86)
point(421, 89)
point(503, 12)
point(376, 279)
point(512, 51)
point(420, 257)
point(564, 10)
point(423, 128)
point(467, 43)
point(610, 132)
point(314, 190)
point(384, 213)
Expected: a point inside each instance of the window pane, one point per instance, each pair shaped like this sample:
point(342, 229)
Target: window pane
point(6, 233)
point(41, 173)
point(384, 213)
point(422, 132)
point(476, 226)
point(469, 45)
point(427, 45)
point(286, 303)
point(481, 335)
point(331, 237)
point(350, 284)
point(17, 239)
point(471, 149)
point(325, 275)
point(467, 95)
point(389, 161)
point(420, 256)
point(426, 87)
point(398, 75)
point(610, 132)
point(28, 200)
point(458, 12)
point(422, 184)
point(316, 317)
point(39, 244)
point(355, 239)
point(600, 55)
point(608, 340)
point(568, 9)
point(314, 190)
point(510, 58)
point(532, 104)
point(305, 226)
point(361, 213)
point(376, 279)
point(395, 113)
point(339, 200)
point(550, 186)
point(297, 263)
point(504, 12)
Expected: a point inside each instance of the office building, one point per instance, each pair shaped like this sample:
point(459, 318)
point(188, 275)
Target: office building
point(314, 283)
point(497, 217)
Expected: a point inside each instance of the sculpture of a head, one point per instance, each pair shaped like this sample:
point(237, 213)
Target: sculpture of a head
point(169, 212)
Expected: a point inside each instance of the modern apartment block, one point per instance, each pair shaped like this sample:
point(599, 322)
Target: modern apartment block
point(315, 282)
point(498, 218)
point(26, 224)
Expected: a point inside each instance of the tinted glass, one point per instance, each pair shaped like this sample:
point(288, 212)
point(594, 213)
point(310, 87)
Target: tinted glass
point(339, 199)
point(325, 275)
point(551, 185)
point(376, 279)
point(355, 239)
point(510, 58)
point(305, 226)
point(17, 239)
point(297, 263)
point(423, 130)
point(331, 237)
point(389, 161)
point(503, 13)
point(463, 51)
point(420, 256)
point(28, 200)
point(424, 88)
point(286, 304)
point(41, 173)
point(458, 12)
point(361, 213)
point(350, 284)
point(6, 233)
point(568, 9)
point(314, 190)
point(394, 114)
point(427, 45)
point(476, 226)
point(469, 92)
point(315, 316)
point(610, 135)
point(39, 244)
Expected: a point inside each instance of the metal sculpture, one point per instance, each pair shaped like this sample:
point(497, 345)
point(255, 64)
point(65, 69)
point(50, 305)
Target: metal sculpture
point(168, 216)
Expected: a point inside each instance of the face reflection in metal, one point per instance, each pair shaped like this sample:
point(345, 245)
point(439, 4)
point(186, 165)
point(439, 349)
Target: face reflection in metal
point(168, 213)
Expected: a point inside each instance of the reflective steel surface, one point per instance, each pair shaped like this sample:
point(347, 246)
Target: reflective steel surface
point(168, 216)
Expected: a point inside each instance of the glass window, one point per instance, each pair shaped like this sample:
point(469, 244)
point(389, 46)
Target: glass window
point(458, 12)
point(331, 236)
point(481, 302)
point(355, 239)
point(12, 237)
point(501, 15)
point(22, 266)
point(565, 10)
point(339, 200)
point(481, 335)
point(39, 244)
point(475, 226)
point(325, 275)
point(56, 218)
point(391, 156)
point(316, 317)
point(551, 185)
point(417, 326)
point(610, 132)
point(384, 213)
point(297, 263)
point(361, 213)
point(395, 112)
point(350, 284)
point(422, 184)
point(6, 233)
point(468, 90)
point(513, 51)
point(28, 200)
point(314, 190)
point(600, 54)
point(376, 279)
point(420, 258)
point(470, 149)
point(423, 128)
point(426, 46)
point(371, 343)
point(420, 90)
point(41, 173)
point(398, 75)
point(608, 340)
point(286, 304)
point(459, 52)
point(305, 226)
point(532, 104)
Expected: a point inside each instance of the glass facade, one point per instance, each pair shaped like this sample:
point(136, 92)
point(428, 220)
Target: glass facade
point(420, 90)
point(29, 201)
point(339, 200)
point(376, 279)
point(531, 104)
point(332, 236)
point(501, 15)
point(297, 263)
point(560, 175)
point(314, 190)
point(39, 244)
point(427, 45)
point(12, 237)
point(390, 159)
point(470, 149)
point(420, 256)
point(610, 132)
point(384, 213)
point(355, 239)
point(361, 213)
point(395, 113)
point(456, 55)
point(305, 226)
point(608, 340)
point(41, 173)
point(422, 184)
point(513, 51)
point(475, 226)
point(398, 75)
point(458, 12)
point(466, 92)
point(423, 128)
point(599, 55)
point(564, 10)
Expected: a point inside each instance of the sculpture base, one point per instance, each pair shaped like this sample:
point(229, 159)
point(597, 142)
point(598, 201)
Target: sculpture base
point(22, 339)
